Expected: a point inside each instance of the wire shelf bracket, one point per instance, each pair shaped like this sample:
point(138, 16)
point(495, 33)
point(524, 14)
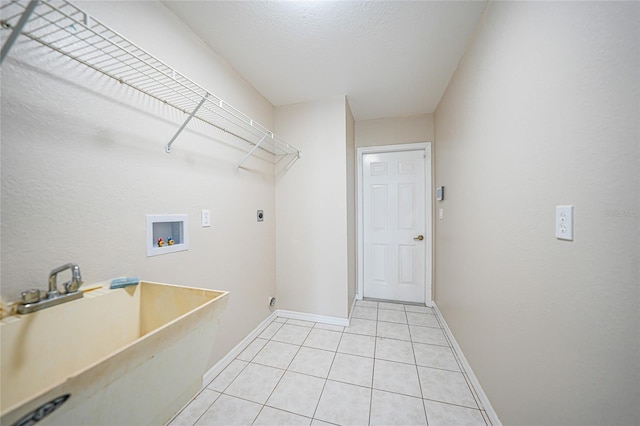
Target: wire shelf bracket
point(250, 153)
point(17, 29)
point(167, 148)
point(71, 32)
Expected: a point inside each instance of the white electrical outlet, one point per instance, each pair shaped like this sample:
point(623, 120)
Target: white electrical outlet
point(441, 214)
point(564, 222)
point(205, 217)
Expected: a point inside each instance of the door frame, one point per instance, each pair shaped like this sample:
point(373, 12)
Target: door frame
point(428, 220)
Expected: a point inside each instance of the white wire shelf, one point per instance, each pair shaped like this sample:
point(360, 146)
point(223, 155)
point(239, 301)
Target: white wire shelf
point(68, 30)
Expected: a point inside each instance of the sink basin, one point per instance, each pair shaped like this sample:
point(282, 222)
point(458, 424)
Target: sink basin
point(133, 355)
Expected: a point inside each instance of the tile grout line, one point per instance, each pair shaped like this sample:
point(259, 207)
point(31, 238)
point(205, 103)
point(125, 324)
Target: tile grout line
point(234, 379)
point(208, 407)
point(256, 354)
point(470, 375)
point(258, 415)
point(285, 369)
point(473, 391)
point(373, 369)
point(249, 363)
point(335, 353)
point(462, 369)
point(285, 372)
point(486, 418)
point(190, 402)
point(452, 404)
point(415, 358)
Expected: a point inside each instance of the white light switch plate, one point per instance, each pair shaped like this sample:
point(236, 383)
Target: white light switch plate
point(205, 217)
point(564, 222)
point(441, 214)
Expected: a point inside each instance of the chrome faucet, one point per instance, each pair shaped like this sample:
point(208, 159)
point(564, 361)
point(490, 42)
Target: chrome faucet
point(69, 286)
point(35, 300)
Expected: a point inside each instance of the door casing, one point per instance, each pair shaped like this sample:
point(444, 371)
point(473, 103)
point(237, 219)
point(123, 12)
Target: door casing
point(428, 220)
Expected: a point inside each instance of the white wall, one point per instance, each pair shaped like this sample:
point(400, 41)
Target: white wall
point(543, 111)
point(392, 131)
point(83, 162)
point(311, 201)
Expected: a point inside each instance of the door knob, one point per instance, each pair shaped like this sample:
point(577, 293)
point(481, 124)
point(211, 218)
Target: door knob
point(419, 238)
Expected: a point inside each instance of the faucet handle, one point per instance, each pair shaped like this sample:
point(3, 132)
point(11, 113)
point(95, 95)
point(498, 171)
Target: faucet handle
point(76, 279)
point(30, 296)
point(72, 286)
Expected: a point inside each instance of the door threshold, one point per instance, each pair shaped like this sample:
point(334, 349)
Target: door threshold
point(371, 299)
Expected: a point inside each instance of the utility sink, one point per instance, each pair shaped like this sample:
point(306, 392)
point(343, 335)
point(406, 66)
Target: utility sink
point(133, 355)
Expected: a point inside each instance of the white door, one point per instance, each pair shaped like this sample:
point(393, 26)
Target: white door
point(394, 225)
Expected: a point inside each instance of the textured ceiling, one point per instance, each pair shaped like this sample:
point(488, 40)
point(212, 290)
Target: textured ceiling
point(391, 58)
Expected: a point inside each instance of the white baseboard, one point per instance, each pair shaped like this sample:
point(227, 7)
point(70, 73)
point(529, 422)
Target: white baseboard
point(484, 400)
point(237, 350)
point(313, 317)
point(353, 305)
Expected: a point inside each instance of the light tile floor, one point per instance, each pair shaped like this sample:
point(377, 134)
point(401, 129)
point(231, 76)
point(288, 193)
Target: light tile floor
point(392, 366)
